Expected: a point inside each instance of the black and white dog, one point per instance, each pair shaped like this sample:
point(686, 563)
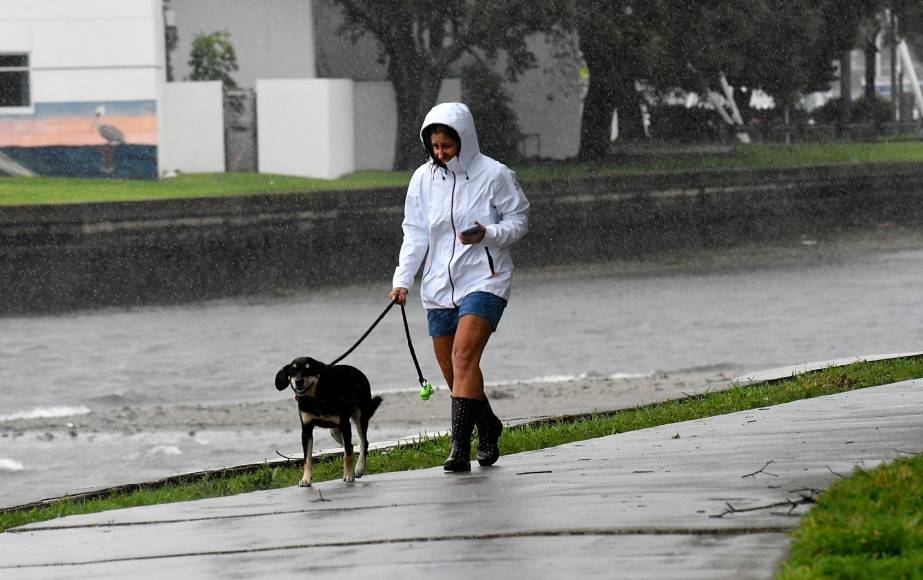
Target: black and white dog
point(329, 396)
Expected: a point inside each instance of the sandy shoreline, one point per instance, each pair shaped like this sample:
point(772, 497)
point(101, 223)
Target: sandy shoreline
point(399, 409)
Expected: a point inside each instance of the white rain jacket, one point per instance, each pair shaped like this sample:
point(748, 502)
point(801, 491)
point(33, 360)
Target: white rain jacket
point(442, 201)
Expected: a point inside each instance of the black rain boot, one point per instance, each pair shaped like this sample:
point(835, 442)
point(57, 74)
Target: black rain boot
point(465, 413)
point(489, 429)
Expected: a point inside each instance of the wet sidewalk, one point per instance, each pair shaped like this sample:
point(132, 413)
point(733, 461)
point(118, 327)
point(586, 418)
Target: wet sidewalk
point(710, 498)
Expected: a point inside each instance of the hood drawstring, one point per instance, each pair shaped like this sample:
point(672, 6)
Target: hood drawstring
point(445, 170)
point(436, 168)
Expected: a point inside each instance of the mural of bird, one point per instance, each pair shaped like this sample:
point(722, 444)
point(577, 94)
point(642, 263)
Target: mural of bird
point(112, 134)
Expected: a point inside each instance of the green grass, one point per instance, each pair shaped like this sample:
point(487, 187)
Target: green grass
point(755, 156)
point(869, 526)
point(46, 190)
point(49, 190)
point(430, 452)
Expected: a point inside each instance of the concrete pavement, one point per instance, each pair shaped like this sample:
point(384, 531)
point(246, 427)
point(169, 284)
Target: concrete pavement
point(710, 498)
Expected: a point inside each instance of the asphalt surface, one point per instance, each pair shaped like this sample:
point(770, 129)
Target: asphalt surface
point(710, 498)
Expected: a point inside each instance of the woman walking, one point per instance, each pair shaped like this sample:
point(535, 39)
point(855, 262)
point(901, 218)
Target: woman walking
point(462, 212)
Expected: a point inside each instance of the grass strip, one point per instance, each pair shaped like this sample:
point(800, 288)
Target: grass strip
point(868, 526)
point(640, 160)
point(431, 451)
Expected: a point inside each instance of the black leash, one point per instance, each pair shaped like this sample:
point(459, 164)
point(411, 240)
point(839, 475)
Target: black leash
point(426, 389)
point(367, 332)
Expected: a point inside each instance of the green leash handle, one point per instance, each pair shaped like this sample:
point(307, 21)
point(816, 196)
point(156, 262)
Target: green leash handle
point(425, 391)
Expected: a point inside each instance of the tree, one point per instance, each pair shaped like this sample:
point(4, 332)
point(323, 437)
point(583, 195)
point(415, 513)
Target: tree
point(213, 58)
point(420, 40)
point(868, 34)
point(785, 50)
point(618, 39)
point(491, 105)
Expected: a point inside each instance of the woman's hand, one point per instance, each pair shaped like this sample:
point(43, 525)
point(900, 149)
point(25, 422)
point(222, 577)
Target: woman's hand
point(474, 238)
point(398, 295)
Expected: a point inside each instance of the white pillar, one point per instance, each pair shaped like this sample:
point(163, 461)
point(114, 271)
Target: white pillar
point(305, 127)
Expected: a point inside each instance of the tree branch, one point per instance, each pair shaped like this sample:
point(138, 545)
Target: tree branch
point(761, 470)
point(792, 504)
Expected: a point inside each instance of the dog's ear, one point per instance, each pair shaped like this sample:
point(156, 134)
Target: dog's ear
point(282, 378)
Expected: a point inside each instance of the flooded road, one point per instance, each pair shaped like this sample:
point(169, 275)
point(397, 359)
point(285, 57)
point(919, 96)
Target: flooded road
point(738, 310)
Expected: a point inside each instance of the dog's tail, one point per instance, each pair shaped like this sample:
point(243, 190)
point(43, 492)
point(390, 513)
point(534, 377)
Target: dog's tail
point(371, 407)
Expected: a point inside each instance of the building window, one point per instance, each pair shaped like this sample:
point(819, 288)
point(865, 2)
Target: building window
point(14, 80)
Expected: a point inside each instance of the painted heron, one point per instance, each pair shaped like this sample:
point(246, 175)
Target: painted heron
point(112, 134)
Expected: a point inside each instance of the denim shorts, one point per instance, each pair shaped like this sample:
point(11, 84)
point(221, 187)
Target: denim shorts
point(444, 321)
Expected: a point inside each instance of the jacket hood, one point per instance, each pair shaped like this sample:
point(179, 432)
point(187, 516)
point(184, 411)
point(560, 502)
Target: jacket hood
point(458, 116)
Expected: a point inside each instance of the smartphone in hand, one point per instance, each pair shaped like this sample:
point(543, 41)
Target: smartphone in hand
point(471, 231)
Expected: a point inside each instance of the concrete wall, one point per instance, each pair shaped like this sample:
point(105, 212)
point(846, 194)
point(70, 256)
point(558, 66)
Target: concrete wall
point(305, 127)
point(193, 128)
point(273, 39)
point(375, 112)
point(67, 257)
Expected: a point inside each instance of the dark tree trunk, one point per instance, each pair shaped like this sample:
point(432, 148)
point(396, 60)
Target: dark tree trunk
point(596, 122)
point(415, 90)
point(612, 87)
point(871, 51)
point(845, 86)
point(601, 98)
point(412, 105)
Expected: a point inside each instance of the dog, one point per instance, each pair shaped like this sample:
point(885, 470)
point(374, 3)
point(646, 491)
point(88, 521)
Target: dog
point(329, 396)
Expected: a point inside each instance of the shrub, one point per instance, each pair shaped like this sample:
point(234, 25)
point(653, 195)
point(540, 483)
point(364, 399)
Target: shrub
point(685, 124)
point(877, 111)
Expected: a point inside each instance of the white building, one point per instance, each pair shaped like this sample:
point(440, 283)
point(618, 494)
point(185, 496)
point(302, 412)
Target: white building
point(80, 84)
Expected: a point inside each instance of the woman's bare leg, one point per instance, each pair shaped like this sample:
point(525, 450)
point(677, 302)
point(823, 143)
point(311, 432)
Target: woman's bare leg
point(442, 347)
point(470, 339)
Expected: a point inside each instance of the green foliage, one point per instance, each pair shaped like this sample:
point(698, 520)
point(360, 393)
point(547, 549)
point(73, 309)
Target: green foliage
point(861, 110)
point(829, 112)
point(491, 105)
point(419, 40)
point(875, 111)
point(785, 49)
point(213, 58)
point(433, 33)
